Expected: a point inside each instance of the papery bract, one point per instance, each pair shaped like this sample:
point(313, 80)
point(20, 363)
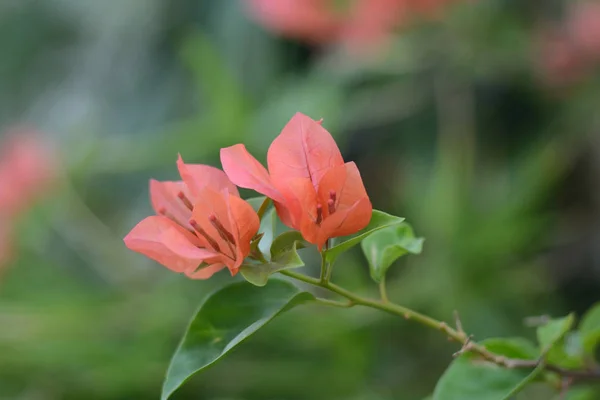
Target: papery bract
point(313, 189)
point(201, 226)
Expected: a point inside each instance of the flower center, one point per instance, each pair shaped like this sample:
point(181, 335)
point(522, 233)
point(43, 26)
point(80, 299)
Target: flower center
point(224, 233)
point(331, 207)
point(331, 201)
point(213, 243)
point(185, 201)
point(319, 214)
point(212, 218)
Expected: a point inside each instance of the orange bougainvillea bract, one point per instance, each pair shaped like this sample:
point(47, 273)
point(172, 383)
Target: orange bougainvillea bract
point(201, 226)
point(313, 189)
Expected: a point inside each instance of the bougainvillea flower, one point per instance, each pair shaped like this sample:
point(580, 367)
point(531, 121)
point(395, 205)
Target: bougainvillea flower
point(570, 52)
point(310, 20)
point(201, 226)
point(27, 170)
point(314, 191)
point(559, 62)
point(369, 23)
point(356, 23)
point(583, 26)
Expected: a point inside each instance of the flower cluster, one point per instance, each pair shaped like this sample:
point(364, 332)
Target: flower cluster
point(359, 24)
point(27, 169)
point(571, 51)
point(202, 225)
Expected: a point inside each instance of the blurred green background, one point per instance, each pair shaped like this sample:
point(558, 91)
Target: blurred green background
point(456, 126)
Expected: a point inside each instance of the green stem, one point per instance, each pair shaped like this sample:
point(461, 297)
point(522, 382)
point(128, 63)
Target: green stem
point(390, 308)
point(328, 302)
point(383, 290)
point(324, 279)
point(534, 374)
point(455, 334)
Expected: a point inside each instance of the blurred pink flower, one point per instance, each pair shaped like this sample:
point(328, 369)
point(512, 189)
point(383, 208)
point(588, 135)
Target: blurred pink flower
point(371, 22)
point(311, 20)
point(27, 170)
point(559, 61)
point(583, 26)
point(569, 52)
point(361, 23)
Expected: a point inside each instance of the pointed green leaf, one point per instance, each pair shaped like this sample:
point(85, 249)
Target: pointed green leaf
point(384, 247)
point(567, 352)
point(225, 319)
point(267, 223)
point(589, 328)
point(285, 242)
point(553, 331)
point(283, 258)
point(256, 202)
point(470, 378)
point(379, 220)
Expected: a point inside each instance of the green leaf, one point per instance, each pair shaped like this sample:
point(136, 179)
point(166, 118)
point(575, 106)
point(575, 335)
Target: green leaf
point(267, 223)
point(379, 220)
point(387, 245)
point(567, 352)
point(513, 347)
point(284, 255)
point(553, 331)
point(225, 319)
point(470, 378)
point(256, 202)
point(589, 329)
point(581, 393)
point(285, 242)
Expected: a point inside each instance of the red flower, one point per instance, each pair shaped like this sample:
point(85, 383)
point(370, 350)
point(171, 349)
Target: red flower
point(313, 190)
point(202, 224)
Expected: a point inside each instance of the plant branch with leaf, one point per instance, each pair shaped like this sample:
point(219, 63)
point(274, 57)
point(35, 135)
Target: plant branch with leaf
point(202, 226)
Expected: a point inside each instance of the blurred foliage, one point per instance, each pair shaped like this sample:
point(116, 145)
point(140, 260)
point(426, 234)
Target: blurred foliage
point(453, 128)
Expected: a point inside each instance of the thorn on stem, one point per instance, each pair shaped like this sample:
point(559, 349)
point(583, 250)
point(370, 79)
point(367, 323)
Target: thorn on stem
point(458, 323)
point(466, 347)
